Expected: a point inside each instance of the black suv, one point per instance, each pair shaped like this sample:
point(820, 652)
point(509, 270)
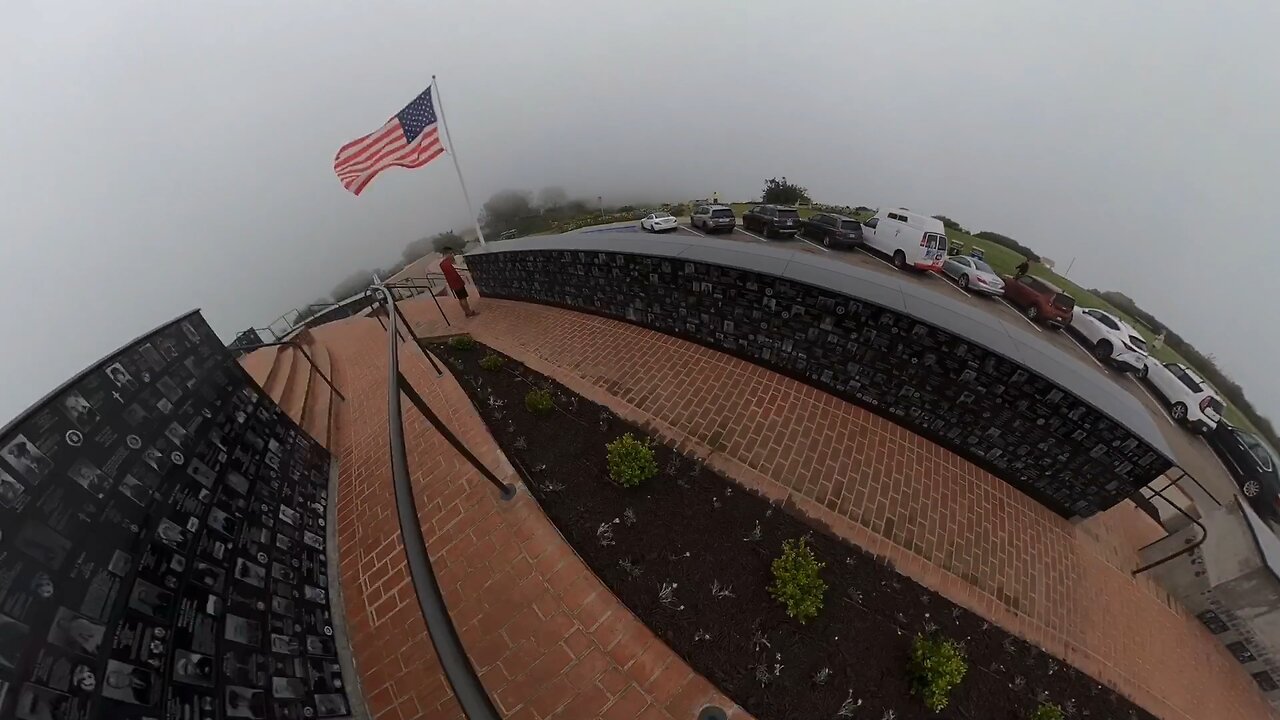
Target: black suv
point(833, 230)
point(772, 220)
point(1251, 464)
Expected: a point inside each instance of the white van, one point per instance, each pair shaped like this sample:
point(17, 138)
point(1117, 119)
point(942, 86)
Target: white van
point(912, 240)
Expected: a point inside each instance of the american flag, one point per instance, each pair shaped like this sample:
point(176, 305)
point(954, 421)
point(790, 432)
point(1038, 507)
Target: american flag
point(410, 139)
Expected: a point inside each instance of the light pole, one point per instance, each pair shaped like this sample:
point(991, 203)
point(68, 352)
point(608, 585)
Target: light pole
point(600, 202)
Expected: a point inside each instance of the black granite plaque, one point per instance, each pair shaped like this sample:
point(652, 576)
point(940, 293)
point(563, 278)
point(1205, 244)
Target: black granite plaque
point(152, 563)
point(1024, 428)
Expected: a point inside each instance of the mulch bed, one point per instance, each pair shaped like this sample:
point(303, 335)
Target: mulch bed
point(693, 529)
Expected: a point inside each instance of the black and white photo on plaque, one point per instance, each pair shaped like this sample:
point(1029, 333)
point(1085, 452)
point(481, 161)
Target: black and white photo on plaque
point(43, 543)
point(242, 630)
point(78, 410)
point(208, 575)
point(121, 377)
point(41, 703)
point(177, 434)
point(13, 641)
point(151, 600)
point(89, 477)
point(169, 389)
point(252, 573)
point(285, 644)
point(130, 683)
point(151, 357)
point(193, 668)
point(10, 490)
point(72, 631)
point(202, 472)
point(243, 702)
point(135, 490)
point(172, 534)
point(27, 459)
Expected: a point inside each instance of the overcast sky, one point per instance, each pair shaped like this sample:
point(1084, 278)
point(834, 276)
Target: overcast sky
point(165, 156)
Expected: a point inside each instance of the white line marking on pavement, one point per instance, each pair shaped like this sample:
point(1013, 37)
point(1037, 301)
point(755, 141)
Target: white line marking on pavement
point(1085, 349)
point(823, 249)
point(1024, 317)
point(744, 230)
point(1155, 400)
point(878, 258)
point(946, 280)
point(695, 232)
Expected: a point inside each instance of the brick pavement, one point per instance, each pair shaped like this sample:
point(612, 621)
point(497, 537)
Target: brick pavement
point(548, 639)
point(942, 520)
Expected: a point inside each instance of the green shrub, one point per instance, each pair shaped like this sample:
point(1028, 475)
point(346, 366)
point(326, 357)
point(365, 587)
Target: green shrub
point(936, 667)
point(796, 582)
point(491, 362)
point(630, 461)
point(1048, 711)
point(539, 402)
point(462, 342)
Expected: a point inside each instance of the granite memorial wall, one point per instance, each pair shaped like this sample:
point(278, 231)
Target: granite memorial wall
point(162, 545)
point(1017, 424)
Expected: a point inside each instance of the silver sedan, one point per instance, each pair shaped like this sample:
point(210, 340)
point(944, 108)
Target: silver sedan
point(973, 274)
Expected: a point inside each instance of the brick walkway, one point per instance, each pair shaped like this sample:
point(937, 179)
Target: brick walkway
point(548, 639)
point(945, 522)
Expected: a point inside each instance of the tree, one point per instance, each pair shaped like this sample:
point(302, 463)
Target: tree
point(1008, 242)
point(552, 197)
point(950, 224)
point(780, 191)
point(504, 209)
point(449, 239)
point(352, 284)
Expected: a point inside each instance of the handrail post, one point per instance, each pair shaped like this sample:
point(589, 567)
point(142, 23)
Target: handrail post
point(1204, 533)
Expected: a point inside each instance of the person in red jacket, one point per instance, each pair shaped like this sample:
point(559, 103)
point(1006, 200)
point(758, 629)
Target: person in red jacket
point(455, 282)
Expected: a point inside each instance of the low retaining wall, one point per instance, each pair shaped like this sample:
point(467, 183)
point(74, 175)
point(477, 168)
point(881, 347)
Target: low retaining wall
point(1008, 402)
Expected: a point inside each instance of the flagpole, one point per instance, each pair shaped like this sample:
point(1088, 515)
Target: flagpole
point(453, 153)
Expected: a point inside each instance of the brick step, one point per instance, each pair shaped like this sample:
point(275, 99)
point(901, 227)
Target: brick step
point(259, 364)
point(280, 372)
point(293, 397)
point(315, 412)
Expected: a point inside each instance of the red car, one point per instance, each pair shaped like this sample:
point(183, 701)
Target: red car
point(1041, 301)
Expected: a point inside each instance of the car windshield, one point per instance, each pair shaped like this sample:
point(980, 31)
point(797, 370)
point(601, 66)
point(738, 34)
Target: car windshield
point(1258, 449)
point(850, 225)
point(787, 213)
point(1138, 343)
point(661, 215)
point(978, 264)
point(722, 213)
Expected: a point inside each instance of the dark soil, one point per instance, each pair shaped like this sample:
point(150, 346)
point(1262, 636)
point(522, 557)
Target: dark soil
point(695, 530)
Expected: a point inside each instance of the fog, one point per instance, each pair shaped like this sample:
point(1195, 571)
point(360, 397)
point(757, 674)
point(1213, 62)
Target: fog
point(166, 156)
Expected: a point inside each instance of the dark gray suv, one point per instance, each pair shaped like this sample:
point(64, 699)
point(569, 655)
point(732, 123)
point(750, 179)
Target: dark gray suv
point(713, 218)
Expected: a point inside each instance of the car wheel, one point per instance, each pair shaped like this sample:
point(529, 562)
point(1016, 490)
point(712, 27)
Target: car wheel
point(1251, 489)
point(1179, 411)
point(1031, 312)
point(1102, 350)
point(964, 282)
point(826, 241)
point(900, 260)
point(768, 231)
point(1144, 371)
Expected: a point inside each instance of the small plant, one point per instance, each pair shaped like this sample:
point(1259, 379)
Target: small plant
point(796, 580)
point(604, 534)
point(1048, 711)
point(629, 517)
point(462, 342)
point(822, 676)
point(721, 591)
point(491, 362)
point(936, 667)
point(630, 461)
point(539, 402)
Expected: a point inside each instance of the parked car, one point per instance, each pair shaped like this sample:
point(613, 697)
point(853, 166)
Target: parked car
point(912, 240)
point(772, 221)
point(713, 218)
point(973, 274)
point(1111, 340)
point(1040, 300)
point(1191, 400)
point(832, 230)
point(1251, 464)
point(658, 222)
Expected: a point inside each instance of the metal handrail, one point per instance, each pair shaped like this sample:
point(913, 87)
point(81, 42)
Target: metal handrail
point(298, 346)
point(459, 672)
point(1204, 531)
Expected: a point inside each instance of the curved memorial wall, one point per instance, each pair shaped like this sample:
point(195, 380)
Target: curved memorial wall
point(1040, 420)
point(162, 545)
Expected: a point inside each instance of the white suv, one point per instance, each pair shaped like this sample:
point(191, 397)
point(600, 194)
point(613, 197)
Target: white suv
point(1191, 400)
point(1110, 339)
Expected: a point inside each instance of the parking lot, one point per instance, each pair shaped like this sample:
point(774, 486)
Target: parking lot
point(1190, 451)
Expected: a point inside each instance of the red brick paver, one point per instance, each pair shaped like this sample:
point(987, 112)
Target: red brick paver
point(945, 522)
point(548, 639)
